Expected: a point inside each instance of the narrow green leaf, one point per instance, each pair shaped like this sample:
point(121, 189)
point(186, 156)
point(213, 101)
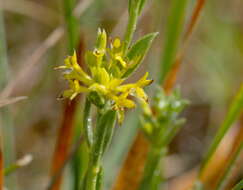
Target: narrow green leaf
point(238, 186)
point(72, 24)
point(138, 51)
point(104, 129)
point(130, 5)
point(7, 134)
point(133, 5)
point(229, 167)
point(171, 133)
point(110, 129)
point(173, 33)
point(152, 169)
point(141, 5)
point(72, 31)
point(4, 70)
point(234, 111)
point(134, 9)
point(100, 179)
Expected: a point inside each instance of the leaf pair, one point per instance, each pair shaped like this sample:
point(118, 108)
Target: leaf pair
point(137, 52)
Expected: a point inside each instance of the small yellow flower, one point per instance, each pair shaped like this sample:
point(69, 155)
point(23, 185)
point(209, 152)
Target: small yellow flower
point(106, 66)
point(117, 43)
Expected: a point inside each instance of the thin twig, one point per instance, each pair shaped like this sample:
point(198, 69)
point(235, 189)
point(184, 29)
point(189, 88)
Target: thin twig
point(31, 9)
point(33, 59)
point(81, 7)
point(8, 101)
point(24, 161)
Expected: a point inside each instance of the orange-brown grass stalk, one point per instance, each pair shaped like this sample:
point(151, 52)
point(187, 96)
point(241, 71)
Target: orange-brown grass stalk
point(63, 142)
point(65, 134)
point(171, 79)
point(213, 171)
point(131, 172)
point(211, 176)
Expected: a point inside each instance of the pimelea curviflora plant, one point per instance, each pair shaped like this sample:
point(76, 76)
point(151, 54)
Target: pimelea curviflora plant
point(109, 65)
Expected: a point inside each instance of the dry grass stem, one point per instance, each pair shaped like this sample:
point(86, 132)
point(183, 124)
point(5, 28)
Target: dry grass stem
point(132, 170)
point(65, 135)
point(5, 102)
point(33, 59)
point(31, 9)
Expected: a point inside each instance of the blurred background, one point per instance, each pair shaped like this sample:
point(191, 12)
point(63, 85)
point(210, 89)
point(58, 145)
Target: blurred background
point(33, 41)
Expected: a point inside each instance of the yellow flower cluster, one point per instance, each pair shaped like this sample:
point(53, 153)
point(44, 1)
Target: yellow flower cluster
point(107, 67)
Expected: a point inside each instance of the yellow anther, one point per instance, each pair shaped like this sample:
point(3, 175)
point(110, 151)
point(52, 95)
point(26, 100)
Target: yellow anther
point(76, 85)
point(117, 43)
point(119, 58)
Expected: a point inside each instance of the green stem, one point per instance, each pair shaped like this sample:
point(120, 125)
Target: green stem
point(232, 115)
point(175, 27)
point(72, 29)
point(132, 23)
point(104, 133)
point(229, 167)
point(72, 25)
point(152, 177)
point(87, 124)
point(169, 134)
point(6, 120)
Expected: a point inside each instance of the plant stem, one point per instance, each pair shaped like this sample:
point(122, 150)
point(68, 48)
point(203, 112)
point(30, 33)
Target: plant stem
point(104, 132)
point(87, 124)
point(3, 69)
point(72, 26)
point(155, 155)
point(175, 26)
point(152, 176)
point(229, 167)
point(172, 75)
point(132, 23)
point(65, 133)
point(6, 120)
point(234, 111)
